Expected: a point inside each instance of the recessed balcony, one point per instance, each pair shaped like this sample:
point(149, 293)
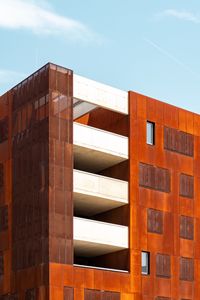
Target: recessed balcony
point(94, 194)
point(94, 238)
point(100, 94)
point(96, 149)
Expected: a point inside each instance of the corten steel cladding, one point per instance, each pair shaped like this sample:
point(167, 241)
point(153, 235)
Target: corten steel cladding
point(40, 120)
point(165, 207)
point(30, 171)
point(60, 166)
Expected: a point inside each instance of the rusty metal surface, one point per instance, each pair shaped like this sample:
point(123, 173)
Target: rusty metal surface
point(68, 293)
point(186, 227)
point(186, 186)
point(154, 177)
point(1, 265)
point(154, 221)
point(3, 129)
point(163, 298)
point(178, 141)
point(30, 171)
point(186, 269)
point(163, 265)
point(3, 217)
point(1, 175)
point(100, 295)
point(60, 165)
point(31, 294)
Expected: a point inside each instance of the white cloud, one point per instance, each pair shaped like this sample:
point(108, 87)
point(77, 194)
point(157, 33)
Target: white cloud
point(40, 19)
point(10, 77)
point(181, 15)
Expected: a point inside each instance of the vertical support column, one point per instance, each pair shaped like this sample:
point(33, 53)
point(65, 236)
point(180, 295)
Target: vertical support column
point(60, 165)
point(5, 193)
point(30, 182)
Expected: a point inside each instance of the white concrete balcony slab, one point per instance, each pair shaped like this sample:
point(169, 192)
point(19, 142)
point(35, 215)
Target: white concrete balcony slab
point(96, 149)
point(94, 194)
point(100, 94)
point(93, 238)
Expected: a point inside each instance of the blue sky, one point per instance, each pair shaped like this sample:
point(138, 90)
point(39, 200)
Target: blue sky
point(147, 46)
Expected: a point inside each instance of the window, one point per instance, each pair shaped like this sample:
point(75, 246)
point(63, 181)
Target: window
point(154, 221)
point(3, 218)
point(97, 295)
point(153, 177)
point(1, 265)
point(186, 186)
point(145, 262)
point(1, 175)
point(150, 133)
point(30, 294)
point(3, 130)
point(68, 293)
point(186, 269)
point(163, 265)
point(186, 227)
point(178, 141)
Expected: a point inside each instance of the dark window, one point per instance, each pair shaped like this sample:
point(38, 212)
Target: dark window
point(30, 294)
point(9, 297)
point(13, 297)
point(68, 293)
point(154, 177)
point(150, 133)
point(1, 265)
point(186, 269)
point(154, 221)
point(163, 265)
point(3, 218)
point(186, 227)
point(3, 130)
point(178, 141)
point(100, 295)
point(162, 298)
point(145, 261)
point(186, 188)
point(1, 176)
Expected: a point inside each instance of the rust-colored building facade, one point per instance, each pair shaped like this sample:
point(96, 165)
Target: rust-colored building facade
point(98, 193)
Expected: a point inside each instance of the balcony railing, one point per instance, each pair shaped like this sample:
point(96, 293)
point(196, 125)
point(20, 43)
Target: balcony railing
point(94, 238)
point(96, 149)
point(95, 194)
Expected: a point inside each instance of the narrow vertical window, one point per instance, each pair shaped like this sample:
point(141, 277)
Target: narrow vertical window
point(1, 265)
point(150, 133)
point(145, 262)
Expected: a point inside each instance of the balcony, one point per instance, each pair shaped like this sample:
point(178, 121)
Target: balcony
point(95, 194)
point(94, 238)
point(95, 149)
point(100, 94)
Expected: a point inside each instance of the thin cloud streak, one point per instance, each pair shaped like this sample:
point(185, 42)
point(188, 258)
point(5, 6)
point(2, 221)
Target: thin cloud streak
point(170, 56)
point(26, 14)
point(181, 15)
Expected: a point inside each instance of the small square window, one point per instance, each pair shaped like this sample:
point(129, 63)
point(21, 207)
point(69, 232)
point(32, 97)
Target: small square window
point(150, 133)
point(145, 262)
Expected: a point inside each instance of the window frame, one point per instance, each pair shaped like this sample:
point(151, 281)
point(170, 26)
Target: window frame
point(152, 137)
point(148, 263)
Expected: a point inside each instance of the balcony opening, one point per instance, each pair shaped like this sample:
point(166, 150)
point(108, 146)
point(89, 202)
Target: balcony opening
point(100, 192)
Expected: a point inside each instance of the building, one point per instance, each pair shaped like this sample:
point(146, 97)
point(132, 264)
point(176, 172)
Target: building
point(98, 193)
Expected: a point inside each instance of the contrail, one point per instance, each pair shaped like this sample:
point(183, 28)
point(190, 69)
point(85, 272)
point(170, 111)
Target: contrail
point(171, 56)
